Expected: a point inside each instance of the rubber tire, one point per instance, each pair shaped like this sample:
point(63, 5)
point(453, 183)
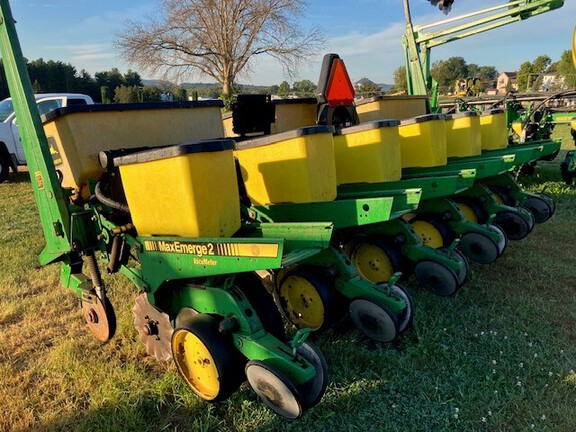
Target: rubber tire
point(539, 208)
point(284, 380)
point(260, 299)
point(479, 248)
point(4, 166)
point(311, 392)
point(441, 226)
point(464, 274)
point(326, 291)
point(515, 227)
point(425, 270)
point(393, 252)
point(360, 321)
point(229, 361)
point(406, 317)
point(476, 207)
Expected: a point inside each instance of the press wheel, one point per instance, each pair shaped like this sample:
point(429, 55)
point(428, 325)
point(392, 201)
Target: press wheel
point(306, 299)
point(406, 317)
point(514, 225)
point(374, 320)
point(207, 359)
point(376, 260)
point(274, 388)
point(540, 209)
point(437, 278)
point(100, 317)
point(311, 392)
point(479, 248)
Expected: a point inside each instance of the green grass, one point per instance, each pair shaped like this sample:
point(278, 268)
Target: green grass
point(497, 357)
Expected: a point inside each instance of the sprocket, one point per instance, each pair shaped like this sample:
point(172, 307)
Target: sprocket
point(154, 328)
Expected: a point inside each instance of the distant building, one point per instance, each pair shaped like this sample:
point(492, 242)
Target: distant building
point(507, 81)
point(551, 81)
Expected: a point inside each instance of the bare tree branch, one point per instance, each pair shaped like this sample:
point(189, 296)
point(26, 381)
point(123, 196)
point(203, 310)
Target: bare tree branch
point(219, 38)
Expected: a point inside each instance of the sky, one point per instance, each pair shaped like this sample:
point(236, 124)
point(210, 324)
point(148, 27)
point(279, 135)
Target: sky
point(365, 33)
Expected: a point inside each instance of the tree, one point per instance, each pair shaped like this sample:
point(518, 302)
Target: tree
point(132, 78)
point(566, 69)
point(525, 75)
point(219, 39)
point(126, 94)
point(151, 94)
point(447, 72)
point(400, 80)
point(304, 88)
point(283, 89)
point(369, 88)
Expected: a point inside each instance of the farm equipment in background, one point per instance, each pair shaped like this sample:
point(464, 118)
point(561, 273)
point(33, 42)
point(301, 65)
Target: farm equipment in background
point(568, 166)
point(418, 44)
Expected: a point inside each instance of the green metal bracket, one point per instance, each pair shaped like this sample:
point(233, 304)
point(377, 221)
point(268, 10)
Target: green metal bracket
point(49, 196)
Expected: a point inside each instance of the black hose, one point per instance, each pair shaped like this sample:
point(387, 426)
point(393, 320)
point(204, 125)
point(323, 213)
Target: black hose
point(109, 201)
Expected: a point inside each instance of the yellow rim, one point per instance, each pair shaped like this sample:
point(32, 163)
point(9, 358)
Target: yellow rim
point(498, 198)
point(373, 263)
point(196, 364)
point(469, 213)
point(303, 302)
point(574, 47)
point(428, 233)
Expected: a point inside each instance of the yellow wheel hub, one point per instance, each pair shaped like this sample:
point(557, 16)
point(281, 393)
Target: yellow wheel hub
point(469, 213)
point(428, 233)
point(303, 303)
point(196, 364)
point(498, 198)
point(373, 263)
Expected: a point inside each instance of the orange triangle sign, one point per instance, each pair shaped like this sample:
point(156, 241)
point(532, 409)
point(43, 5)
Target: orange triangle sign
point(340, 90)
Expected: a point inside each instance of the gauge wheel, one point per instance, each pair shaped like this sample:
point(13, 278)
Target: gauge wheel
point(206, 358)
point(376, 260)
point(311, 392)
point(406, 317)
point(540, 209)
point(437, 278)
point(502, 195)
point(274, 388)
point(100, 318)
point(252, 287)
point(433, 232)
point(514, 225)
point(307, 299)
point(374, 320)
point(472, 210)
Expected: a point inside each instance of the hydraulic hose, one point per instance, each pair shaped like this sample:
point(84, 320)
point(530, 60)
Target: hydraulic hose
point(109, 201)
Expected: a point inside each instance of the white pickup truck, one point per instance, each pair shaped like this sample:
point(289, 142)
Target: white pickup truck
point(11, 150)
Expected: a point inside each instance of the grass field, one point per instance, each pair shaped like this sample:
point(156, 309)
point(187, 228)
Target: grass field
point(500, 356)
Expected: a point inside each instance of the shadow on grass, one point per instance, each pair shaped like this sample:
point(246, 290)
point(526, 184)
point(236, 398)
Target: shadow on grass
point(18, 178)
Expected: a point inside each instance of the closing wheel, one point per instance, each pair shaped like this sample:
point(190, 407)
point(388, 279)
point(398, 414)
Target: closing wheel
point(253, 288)
point(464, 273)
point(540, 209)
point(374, 320)
point(479, 248)
point(306, 299)
point(437, 278)
point(514, 225)
point(100, 318)
point(376, 260)
point(207, 359)
point(274, 388)
point(311, 392)
point(406, 317)
point(154, 328)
